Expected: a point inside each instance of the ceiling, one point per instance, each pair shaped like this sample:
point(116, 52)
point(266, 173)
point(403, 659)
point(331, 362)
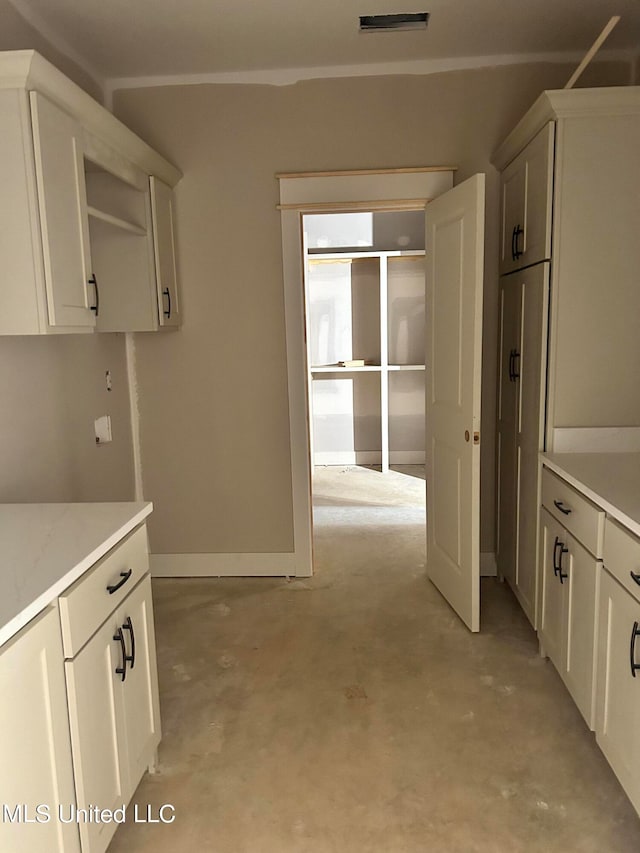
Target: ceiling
point(138, 38)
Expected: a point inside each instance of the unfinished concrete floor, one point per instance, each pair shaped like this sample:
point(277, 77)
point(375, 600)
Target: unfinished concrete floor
point(353, 712)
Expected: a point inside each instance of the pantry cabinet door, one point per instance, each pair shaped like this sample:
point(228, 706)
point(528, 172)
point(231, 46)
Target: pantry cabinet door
point(62, 201)
point(35, 751)
point(96, 711)
point(507, 411)
point(141, 707)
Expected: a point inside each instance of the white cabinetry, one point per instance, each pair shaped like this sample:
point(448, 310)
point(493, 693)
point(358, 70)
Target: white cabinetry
point(113, 668)
point(163, 216)
point(569, 207)
point(63, 217)
point(570, 584)
point(524, 300)
point(35, 752)
point(618, 692)
point(116, 672)
point(79, 246)
point(526, 188)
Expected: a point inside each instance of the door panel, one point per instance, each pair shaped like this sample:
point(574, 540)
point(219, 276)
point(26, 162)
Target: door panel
point(507, 408)
point(618, 703)
point(97, 718)
point(162, 210)
point(533, 291)
point(455, 251)
point(552, 618)
point(62, 200)
point(140, 696)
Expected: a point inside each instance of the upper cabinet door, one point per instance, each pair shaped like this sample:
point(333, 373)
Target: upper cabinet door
point(527, 185)
point(63, 215)
point(163, 216)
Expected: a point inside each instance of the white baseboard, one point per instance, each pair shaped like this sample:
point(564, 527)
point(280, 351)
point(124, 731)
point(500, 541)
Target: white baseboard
point(368, 457)
point(488, 564)
point(223, 565)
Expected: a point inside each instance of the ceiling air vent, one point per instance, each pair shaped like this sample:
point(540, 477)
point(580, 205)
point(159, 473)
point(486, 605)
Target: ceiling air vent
point(401, 21)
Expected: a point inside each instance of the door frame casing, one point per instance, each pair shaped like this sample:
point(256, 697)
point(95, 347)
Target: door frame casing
point(329, 192)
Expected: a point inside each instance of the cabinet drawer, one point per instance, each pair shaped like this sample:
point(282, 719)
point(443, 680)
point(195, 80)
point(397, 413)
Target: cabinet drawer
point(86, 604)
point(582, 518)
point(622, 556)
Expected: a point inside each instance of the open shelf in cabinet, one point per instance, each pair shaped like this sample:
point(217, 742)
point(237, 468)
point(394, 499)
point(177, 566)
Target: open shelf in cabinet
point(366, 304)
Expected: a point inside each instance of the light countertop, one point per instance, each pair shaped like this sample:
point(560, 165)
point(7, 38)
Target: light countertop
point(611, 480)
point(44, 548)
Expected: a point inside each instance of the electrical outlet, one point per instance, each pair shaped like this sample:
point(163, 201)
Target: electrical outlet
point(102, 427)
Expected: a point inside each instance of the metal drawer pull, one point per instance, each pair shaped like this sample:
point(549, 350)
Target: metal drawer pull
point(635, 577)
point(513, 240)
point(632, 649)
point(166, 292)
point(128, 626)
point(563, 509)
point(121, 670)
point(124, 578)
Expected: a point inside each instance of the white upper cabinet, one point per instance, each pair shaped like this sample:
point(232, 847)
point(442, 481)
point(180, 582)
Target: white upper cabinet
point(79, 248)
point(526, 186)
point(163, 215)
point(62, 201)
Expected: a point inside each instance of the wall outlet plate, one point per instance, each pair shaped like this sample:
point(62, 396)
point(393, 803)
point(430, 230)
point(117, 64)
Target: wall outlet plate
point(102, 427)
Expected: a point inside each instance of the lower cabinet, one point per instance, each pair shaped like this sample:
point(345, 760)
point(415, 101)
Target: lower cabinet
point(35, 752)
point(570, 580)
point(618, 699)
point(114, 712)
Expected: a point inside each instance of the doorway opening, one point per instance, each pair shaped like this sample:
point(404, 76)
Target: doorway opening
point(364, 282)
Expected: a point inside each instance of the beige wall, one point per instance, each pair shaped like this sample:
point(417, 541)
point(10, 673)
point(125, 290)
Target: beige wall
point(52, 388)
point(17, 34)
point(214, 396)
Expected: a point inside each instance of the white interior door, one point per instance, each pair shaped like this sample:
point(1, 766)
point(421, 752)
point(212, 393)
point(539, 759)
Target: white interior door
point(455, 255)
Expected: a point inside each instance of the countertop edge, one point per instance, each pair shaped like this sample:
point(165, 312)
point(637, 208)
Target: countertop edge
point(610, 508)
point(14, 625)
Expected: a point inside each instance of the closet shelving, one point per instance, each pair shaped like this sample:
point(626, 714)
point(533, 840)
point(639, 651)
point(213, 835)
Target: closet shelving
point(366, 305)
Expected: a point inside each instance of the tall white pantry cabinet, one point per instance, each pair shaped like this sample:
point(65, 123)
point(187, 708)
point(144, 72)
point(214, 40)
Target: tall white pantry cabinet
point(569, 297)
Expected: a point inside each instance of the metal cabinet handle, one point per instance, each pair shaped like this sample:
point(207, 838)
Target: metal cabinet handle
point(632, 649)
point(516, 370)
point(635, 577)
point(563, 509)
point(513, 244)
point(516, 252)
point(128, 626)
point(558, 550)
point(124, 578)
point(511, 365)
point(94, 281)
point(166, 292)
point(121, 670)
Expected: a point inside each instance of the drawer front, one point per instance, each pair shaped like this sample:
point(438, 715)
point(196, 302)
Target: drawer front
point(86, 604)
point(582, 518)
point(622, 556)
